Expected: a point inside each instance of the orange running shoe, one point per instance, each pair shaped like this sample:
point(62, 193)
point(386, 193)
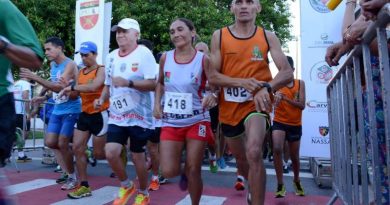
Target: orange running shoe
point(124, 195)
point(154, 185)
point(141, 199)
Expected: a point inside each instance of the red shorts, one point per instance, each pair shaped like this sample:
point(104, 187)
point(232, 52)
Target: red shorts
point(199, 131)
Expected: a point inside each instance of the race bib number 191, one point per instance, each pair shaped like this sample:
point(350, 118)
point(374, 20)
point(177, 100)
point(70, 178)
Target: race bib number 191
point(122, 104)
point(178, 103)
point(237, 95)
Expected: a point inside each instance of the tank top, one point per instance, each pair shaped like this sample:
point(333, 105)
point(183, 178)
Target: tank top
point(87, 98)
point(63, 105)
point(285, 112)
point(184, 85)
point(242, 58)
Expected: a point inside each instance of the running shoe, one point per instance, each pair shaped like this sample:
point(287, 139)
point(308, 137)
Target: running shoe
point(124, 195)
point(298, 189)
point(281, 191)
point(80, 192)
point(69, 184)
point(154, 184)
point(141, 199)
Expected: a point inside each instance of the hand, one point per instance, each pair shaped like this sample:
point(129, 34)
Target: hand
point(251, 84)
point(335, 52)
point(66, 91)
point(353, 34)
point(370, 8)
point(157, 111)
point(26, 73)
point(209, 101)
point(38, 100)
point(64, 82)
point(120, 82)
point(262, 101)
point(277, 98)
point(97, 104)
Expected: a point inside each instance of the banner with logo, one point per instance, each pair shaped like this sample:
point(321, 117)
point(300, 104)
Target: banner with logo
point(93, 23)
point(320, 28)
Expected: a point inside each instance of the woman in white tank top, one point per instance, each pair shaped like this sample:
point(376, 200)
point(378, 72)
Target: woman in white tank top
point(182, 80)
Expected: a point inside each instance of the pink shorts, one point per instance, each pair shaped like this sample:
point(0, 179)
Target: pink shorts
point(199, 131)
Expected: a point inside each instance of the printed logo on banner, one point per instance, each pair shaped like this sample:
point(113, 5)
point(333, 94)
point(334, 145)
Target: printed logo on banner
point(321, 73)
point(89, 13)
point(324, 130)
point(317, 106)
point(322, 41)
point(319, 5)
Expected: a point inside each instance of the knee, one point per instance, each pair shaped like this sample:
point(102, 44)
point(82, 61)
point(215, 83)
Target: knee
point(169, 172)
point(111, 154)
point(193, 171)
point(254, 154)
point(52, 144)
point(79, 149)
point(277, 149)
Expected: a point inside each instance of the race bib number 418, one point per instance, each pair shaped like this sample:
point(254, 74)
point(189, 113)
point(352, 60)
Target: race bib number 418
point(237, 95)
point(178, 103)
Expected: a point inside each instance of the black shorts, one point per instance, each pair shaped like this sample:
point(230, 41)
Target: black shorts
point(293, 133)
point(20, 121)
point(7, 125)
point(155, 137)
point(237, 130)
point(138, 136)
point(96, 123)
point(214, 112)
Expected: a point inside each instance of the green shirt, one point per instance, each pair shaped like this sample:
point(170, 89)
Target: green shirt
point(17, 29)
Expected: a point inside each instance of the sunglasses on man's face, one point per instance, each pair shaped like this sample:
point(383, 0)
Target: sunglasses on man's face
point(84, 55)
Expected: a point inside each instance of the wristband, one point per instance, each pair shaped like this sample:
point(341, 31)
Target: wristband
point(131, 84)
point(268, 86)
point(72, 88)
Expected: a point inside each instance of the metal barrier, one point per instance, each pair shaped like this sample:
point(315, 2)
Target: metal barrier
point(33, 128)
point(351, 167)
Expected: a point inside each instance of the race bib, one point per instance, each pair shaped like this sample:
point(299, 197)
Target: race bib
point(121, 104)
point(178, 103)
point(237, 95)
point(59, 100)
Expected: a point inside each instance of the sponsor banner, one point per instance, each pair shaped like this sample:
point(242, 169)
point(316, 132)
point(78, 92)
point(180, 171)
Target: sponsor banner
point(320, 28)
point(92, 19)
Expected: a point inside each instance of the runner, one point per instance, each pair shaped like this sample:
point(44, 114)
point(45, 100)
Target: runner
point(91, 121)
point(130, 75)
point(66, 110)
point(186, 122)
point(287, 126)
point(239, 55)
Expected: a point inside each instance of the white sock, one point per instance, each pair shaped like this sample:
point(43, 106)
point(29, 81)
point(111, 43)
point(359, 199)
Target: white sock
point(241, 177)
point(126, 183)
point(21, 154)
point(144, 192)
point(73, 175)
point(154, 177)
point(212, 156)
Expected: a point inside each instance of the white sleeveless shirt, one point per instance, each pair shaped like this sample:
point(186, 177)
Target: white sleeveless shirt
point(184, 86)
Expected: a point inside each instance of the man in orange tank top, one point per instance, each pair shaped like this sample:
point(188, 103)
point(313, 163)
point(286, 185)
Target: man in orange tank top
point(91, 121)
point(287, 125)
point(239, 58)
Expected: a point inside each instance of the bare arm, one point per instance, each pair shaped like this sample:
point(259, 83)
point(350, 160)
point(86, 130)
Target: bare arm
point(95, 85)
point(349, 15)
point(22, 56)
point(285, 74)
point(26, 102)
point(157, 110)
point(302, 97)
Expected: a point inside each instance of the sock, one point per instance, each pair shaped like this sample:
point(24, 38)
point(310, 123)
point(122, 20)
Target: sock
point(212, 156)
point(154, 177)
point(144, 192)
point(84, 183)
point(21, 154)
point(73, 175)
point(126, 183)
point(241, 178)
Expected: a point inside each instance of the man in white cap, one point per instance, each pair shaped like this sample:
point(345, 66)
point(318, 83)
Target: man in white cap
point(130, 76)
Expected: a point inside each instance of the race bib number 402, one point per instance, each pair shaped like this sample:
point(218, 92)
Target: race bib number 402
point(237, 95)
point(178, 103)
point(122, 104)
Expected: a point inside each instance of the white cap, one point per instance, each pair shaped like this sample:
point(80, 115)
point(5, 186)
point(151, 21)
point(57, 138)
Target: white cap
point(127, 23)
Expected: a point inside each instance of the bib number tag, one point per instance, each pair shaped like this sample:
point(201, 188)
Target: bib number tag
point(122, 104)
point(237, 95)
point(178, 103)
point(59, 100)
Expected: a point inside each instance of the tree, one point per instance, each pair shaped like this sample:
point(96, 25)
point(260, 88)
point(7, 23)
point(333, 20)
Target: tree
point(56, 18)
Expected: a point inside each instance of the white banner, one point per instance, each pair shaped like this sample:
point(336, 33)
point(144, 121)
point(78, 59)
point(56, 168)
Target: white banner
point(93, 23)
point(320, 28)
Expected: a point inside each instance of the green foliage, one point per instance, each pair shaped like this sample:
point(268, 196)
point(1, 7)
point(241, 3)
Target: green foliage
point(56, 18)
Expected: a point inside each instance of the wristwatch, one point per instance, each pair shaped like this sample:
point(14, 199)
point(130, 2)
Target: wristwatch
point(4, 44)
point(131, 84)
point(268, 86)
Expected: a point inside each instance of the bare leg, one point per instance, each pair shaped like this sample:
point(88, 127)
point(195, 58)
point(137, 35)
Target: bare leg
point(195, 150)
